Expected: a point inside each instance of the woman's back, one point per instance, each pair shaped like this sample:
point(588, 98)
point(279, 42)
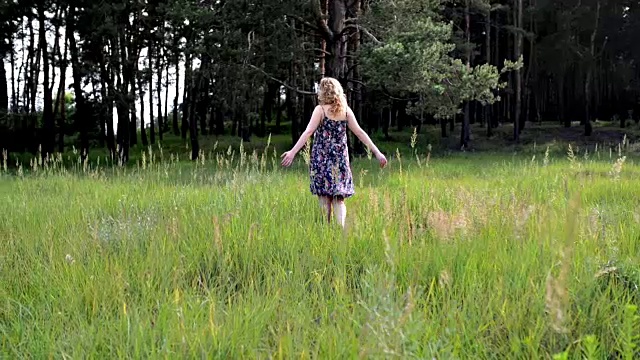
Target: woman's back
point(329, 114)
point(330, 171)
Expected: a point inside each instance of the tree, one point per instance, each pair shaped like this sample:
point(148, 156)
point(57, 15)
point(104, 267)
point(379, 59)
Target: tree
point(413, 58)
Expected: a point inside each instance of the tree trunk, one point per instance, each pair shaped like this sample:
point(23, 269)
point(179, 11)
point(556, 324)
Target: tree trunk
point(27, 71)
point(496, 112)
point(588, 128)
point(60, 99)
point(186, 99)
point(213, 107)
point(386, 121)
point(292, 114)
point(123, 127)
point(14, 92)
point(55, 52)
point(77, 87)
point(358, 99)
point(133, 123)
point(487, 44)
point(106, 123)
point(335, 40)
point(165, 118)
point(203, 98)
point(443, 127)
point(219, 115)
point(160, 117)
point(219, 111)
point(4, 96)
point(152, 121)
point(267, 106)
point(518, 75)
point(279, 113)
point(122, 103)
point(47, 110)
point(103, 97)
point(34, 69)
point(193, 99)
point(323, 44)
point(530, 70)
point(143, 128)
point(176, 59)
point(239, 114)
point(465, 132)
point(561, 100)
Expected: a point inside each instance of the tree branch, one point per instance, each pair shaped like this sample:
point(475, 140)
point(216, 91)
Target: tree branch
point(350, 5)
point(324, 28)
point(371, 36)
point(354, 81)
point(364, 31)
point(388, 94)
point(305, 22)
point(604, 45)
point(316, 49)
point(281, 82)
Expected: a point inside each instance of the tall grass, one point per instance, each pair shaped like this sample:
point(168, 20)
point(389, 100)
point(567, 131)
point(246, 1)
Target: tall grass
point(228, 257)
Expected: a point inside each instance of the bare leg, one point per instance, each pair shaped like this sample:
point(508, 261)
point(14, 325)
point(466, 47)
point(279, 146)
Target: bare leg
point(325, 205)
point(340, 210)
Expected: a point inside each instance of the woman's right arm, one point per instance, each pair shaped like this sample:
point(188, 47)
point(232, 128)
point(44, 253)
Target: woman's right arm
point(316, 117)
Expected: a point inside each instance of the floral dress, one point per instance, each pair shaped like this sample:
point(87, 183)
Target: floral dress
point(329, 169)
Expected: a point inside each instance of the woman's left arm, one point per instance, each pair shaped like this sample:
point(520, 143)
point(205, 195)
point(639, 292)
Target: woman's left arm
point(362, 135)
point(359, 133)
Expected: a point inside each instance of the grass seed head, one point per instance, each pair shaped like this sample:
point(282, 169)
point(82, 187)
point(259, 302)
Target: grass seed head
point(444, 279)
point(414, 138)
point(69, 259)
point(217, 238)
point(306, 152)
point(556, 303)
point(446, 224)
point(616, 169)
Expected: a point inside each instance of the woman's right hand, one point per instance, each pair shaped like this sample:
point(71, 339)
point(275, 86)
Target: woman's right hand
point(383, 160)
point(287, 158)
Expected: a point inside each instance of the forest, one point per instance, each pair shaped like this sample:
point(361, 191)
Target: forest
point(120, 74)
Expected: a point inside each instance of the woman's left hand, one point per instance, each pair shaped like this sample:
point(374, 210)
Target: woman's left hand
point(382, 159)
point(287, 158)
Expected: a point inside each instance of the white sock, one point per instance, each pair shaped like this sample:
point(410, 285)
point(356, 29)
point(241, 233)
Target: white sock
point(340, 212)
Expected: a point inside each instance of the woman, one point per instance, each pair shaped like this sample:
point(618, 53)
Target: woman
point(329, 170)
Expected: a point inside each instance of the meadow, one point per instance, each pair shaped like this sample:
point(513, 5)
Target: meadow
point(458, 256)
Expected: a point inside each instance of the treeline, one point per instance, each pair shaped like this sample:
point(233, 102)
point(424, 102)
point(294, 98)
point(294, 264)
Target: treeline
point(236, 66)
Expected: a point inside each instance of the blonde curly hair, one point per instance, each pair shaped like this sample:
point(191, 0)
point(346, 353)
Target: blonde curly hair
point(330, 92)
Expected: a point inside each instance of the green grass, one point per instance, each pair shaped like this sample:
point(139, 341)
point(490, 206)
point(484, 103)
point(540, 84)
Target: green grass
point(462, 256)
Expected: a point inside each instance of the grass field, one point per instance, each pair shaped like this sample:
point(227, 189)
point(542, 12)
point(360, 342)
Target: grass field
point(466, 256)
